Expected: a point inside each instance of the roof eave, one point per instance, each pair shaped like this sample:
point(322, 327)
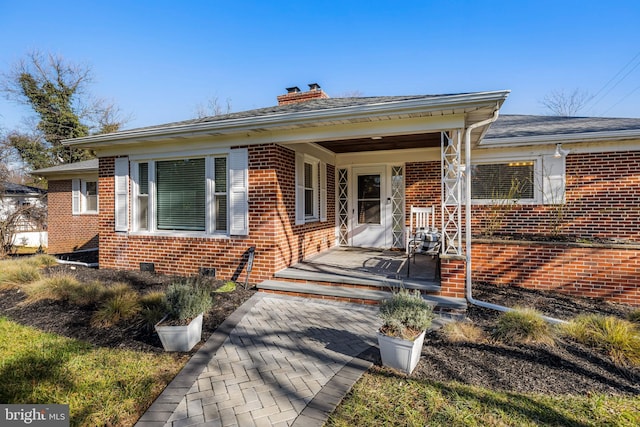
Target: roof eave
point(562, 138)
point(274, 121)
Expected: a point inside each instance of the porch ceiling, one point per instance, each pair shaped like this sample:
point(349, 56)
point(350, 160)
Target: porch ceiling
point(395, 142)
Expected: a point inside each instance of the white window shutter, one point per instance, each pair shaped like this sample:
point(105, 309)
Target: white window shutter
point(121, 201)
point(553, 180)
point(323, 191)
point(299, 188)
point(75, 196)
point(239, 192)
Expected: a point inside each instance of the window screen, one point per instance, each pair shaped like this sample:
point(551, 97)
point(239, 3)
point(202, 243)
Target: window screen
point(500, 181)
point(143, 196)
point(309, 193)
point(220, 173)
point(91, 195)
point(181, 194)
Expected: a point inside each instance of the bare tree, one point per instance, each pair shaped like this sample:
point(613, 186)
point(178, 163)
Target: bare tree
point(56, 91)
point(565, 104)
point(351, 94)
point(213, 108)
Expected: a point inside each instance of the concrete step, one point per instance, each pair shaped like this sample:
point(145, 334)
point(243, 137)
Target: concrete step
point(331, 291)
point(353, 278)
point(448, 304)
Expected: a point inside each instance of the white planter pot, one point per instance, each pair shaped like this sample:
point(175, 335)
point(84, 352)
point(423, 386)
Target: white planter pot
point(180, 338)
point(400, 354)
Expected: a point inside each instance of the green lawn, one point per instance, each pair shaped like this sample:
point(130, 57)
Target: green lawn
point(102, 386)
point(383, 399)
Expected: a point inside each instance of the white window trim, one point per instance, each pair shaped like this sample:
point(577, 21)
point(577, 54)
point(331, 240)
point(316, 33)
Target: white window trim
point(548, 175)
point(209, 203)
point(315, 190)
point(152, 210)
point(79, 197)
point(318, 186)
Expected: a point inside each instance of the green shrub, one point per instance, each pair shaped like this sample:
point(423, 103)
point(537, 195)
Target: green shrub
point(406, 314)
point(229, 286)
point(56, 287)
point(65, 287)
point(153, 307)
point(41, 260)
point(463, 331)
point(618, 338)
point(116, 289)
point(523, 325)
point(634, 316)
point(187, 300)
point(89, 294)
point(118, 307)
point(15, 273)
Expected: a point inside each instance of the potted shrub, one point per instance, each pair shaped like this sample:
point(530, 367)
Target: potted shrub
point(406, 316)
point(181, 328)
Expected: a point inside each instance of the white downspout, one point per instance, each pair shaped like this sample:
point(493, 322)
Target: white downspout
point(467, 223)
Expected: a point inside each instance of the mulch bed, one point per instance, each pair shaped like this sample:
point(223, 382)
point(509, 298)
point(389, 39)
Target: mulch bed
point(566, 368)
point(73, 321)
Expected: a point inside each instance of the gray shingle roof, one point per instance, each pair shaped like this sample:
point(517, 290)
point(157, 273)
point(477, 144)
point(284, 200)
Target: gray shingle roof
point(311, 105)
point(515, 126)
point(10, 188)
point(84, 166)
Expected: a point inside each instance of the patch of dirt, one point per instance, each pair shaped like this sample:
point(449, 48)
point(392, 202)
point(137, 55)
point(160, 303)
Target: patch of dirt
point(565, 368)
point(74, 321)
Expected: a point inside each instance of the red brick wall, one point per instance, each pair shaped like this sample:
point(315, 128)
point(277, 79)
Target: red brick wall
point(602, 201)
point(278, 241)
point(68, 232)
point(611, 273)
point(422, 187)
point(297, 97)
point(452, 277)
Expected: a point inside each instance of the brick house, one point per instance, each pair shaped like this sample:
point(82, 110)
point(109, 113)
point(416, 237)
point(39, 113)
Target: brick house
point(72, 206)
point(315, 173)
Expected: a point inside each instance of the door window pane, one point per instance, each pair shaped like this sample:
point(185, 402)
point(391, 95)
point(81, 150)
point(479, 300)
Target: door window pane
point(369, 199)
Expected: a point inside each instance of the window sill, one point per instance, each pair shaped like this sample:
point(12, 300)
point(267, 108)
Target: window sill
point(179, 234)
point(85, 213)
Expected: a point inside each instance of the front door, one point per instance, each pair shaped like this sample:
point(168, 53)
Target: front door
point(370, 217)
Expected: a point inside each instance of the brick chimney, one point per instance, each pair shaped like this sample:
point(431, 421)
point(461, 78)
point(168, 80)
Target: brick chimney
point(294, 96)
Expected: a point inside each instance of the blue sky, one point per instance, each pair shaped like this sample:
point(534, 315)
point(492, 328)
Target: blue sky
point(158, 60)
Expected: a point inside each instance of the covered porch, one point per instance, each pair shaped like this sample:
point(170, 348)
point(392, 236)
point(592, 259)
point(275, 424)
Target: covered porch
point(365, 172)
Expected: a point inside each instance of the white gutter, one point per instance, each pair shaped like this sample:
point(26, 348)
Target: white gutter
point(467, 225)
point(83, 264)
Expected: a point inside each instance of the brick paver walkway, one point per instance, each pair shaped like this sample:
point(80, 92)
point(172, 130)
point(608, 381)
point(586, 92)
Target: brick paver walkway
point(277, 361)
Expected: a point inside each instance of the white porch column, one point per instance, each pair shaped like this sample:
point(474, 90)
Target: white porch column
point(451, 186)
